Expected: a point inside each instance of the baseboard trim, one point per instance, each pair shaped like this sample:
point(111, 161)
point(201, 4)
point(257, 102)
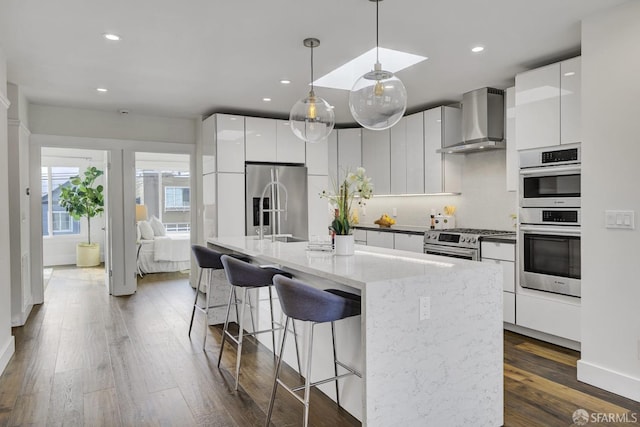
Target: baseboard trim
point(562, 342)
point(609, 380)
point(7, 351)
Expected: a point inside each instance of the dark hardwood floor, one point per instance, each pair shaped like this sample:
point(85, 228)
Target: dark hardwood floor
point(85, 358)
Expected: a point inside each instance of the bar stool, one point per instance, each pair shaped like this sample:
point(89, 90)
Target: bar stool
point(209, 260)
point(300, 301)
point(245, 276)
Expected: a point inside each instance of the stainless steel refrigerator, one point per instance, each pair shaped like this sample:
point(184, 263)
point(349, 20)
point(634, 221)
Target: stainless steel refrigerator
point(283, 189)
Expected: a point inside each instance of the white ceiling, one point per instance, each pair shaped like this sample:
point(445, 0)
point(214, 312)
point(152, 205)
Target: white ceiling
point(184, 59)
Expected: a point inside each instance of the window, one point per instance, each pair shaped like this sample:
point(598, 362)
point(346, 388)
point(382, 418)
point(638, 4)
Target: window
point(55, 220)
point(176, 199)
point(177, 227)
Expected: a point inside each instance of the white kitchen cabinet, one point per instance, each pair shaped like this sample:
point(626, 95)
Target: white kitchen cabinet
point(360, 236)
point(407, 155)
point(229, 143)
point(512, 166)
point(318, 155)
point(509, 307)
point(349, 151)
point(230, 201)
point(504, 255)
point(376, 147)
point(415, 153)
point(545, 314)
point(332, 148)
point(209, 209)
point(260, 139)
point(570, 101)
point(289, 148)
point(381, 239)
point(442, 172)
point(409, 242)
point(538, 107)
point(398, 157)
point(209, 145)
point(319, 209)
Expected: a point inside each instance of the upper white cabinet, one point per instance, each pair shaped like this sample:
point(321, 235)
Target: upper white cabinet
point(548, 105)
point(289, 148)
point(230, 201)
point(349, 151)
point(209, 145)
point(570, 100)
point(442, 172)
point(332, 148)
point(398, 157)
point(538, 107)
point(229, 142)
point(407, 155)
point(260, 139)
point(512, 166)
point(318, 155)
point(319, 209)
point(376, 146)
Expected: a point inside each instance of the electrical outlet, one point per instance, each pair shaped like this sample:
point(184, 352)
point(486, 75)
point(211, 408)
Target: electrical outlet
point(425, 308)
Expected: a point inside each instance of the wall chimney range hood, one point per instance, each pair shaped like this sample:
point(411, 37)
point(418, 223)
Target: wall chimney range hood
point(482, 122)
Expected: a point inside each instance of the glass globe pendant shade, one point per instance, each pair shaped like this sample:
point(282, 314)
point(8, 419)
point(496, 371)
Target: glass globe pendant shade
point(378, 99)
point(312, 118)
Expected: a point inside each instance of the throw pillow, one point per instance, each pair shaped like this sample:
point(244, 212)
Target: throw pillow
point(158, 228)
point(146, 232)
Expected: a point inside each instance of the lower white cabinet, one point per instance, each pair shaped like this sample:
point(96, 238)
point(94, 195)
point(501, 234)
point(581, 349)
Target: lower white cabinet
point(508, 273)
point(360, 236)
point(509, 307)
point(550, 316)
point(381, 239)
point(409, 242)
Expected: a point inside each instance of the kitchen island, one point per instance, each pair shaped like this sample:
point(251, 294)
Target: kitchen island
point(429, 340)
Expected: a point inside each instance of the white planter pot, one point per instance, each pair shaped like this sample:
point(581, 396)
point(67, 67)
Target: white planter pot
point(344, 244)
point(87, 255)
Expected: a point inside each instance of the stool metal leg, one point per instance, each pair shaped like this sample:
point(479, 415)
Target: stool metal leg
point(277, 373)
point(335, 360)
point(207, 294)
point(240, 332)
point(195, 301)
point(232, 297)
point(307, 380)
point(295, 339)
point(273, 332)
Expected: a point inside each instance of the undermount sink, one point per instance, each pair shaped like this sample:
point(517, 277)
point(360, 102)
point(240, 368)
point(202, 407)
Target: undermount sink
point(289, 239)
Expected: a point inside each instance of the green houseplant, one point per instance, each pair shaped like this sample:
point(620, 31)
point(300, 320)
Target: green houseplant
point(84, 199)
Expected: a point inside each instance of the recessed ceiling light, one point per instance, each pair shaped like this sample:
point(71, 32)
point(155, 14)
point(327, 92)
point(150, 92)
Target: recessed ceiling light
point(101, 89)
point(112, 37)
point(477, 49)
point(570, 73)
point(266, 99)
point(285, 82)
point(345, 75)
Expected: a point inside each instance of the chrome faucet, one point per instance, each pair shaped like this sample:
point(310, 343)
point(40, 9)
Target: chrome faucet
point(273, 211)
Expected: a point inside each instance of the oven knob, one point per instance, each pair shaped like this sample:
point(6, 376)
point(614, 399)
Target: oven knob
point(432, 236)
point(464, 239)
point(473, 240)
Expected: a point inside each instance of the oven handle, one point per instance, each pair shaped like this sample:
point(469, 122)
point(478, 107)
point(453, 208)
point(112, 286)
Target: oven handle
point(561, 230)
point(449, 250)
point(551, 170)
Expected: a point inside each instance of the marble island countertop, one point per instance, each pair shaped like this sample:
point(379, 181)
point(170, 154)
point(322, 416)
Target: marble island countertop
point(368, 264)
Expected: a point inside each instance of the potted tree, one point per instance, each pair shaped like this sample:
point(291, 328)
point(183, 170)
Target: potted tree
point(84, 199)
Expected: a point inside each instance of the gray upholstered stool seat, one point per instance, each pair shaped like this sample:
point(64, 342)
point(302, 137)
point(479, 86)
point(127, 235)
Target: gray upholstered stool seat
point(207, 260)
point(244, 276)
point(302, 302)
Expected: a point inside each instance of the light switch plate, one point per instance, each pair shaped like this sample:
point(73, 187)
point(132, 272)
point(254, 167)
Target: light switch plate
point(619, 219)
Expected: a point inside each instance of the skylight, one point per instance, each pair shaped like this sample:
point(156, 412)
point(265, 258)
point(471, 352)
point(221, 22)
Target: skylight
point(346, 75)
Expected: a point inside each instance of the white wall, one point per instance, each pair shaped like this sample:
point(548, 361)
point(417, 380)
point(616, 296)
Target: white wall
point(49, 120)
point(610, 177)
point(7, 343)
point(484, 203)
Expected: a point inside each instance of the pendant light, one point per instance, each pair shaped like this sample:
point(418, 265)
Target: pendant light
point(378, 99)
point(312, 118)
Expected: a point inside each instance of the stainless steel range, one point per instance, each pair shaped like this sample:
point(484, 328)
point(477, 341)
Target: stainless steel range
point(458, 242)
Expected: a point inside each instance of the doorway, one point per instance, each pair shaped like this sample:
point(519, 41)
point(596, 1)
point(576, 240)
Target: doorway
point(61, 232)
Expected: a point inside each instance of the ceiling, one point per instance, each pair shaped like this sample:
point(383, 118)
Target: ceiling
point(185, 59)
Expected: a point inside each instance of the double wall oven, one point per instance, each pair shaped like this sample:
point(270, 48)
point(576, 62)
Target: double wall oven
point(550, 220)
